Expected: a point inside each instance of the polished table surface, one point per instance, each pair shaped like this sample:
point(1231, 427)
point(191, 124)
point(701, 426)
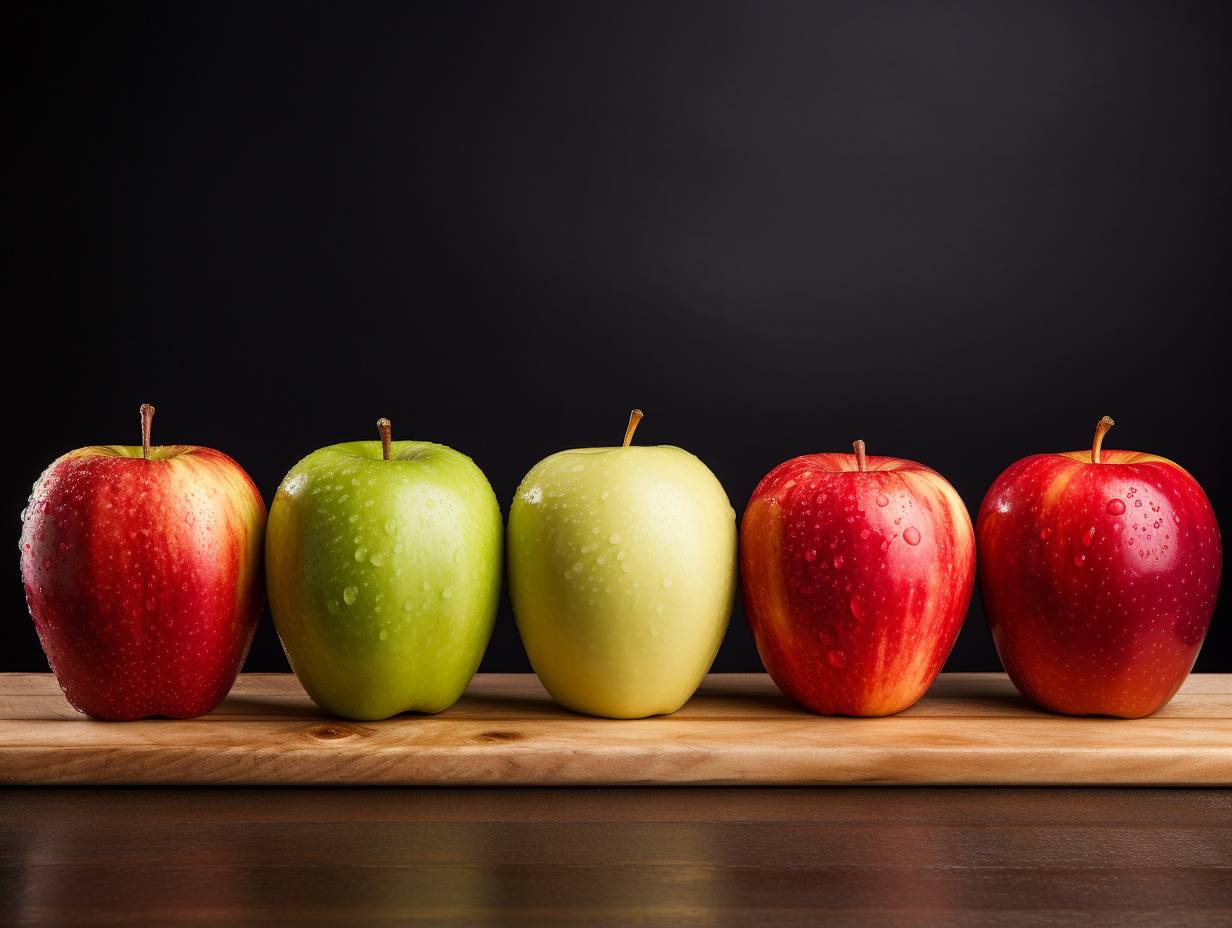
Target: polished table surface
point(701, 856)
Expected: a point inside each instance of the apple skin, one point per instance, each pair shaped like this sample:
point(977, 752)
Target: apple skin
point(622, 572)
point(144, 577)
point(855, 583)
point(384, 576)
point(1099, 580)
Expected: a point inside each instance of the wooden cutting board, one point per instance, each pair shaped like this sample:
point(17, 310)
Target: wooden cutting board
point(738, 730)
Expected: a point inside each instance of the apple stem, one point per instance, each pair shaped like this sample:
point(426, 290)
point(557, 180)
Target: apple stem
point(861, 458)
point(386, 428)
point(147, 419)
point(634, 418)
point(1101, 429)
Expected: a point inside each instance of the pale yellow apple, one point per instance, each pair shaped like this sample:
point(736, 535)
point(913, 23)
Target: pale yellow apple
point(622, 570)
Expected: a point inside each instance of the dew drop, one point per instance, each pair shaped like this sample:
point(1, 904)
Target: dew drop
point(577, 567)
point(333, 606)
point(408, 607)
point(838, 562)
point(1115, 507)
point(911, 535)
point(614, 538)
point(810, 555)
point(361, 553)
point(883, 500)
point(836, 658)
point(1044, 533)
point(377, 559)
point(1079, 560)
point(1088, 536)
point(383, 635)
point(864, 533)
point(350, 594)
point(857, 608)
point(391, 526)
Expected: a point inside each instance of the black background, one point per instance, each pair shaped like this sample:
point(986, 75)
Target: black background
point(962, 232)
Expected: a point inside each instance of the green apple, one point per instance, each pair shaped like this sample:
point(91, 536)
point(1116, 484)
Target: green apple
point(383, 563)
point(622, 570)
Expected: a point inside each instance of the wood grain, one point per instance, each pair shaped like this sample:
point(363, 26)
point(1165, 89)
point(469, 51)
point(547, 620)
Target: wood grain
point(747, 857)
point(969, 729)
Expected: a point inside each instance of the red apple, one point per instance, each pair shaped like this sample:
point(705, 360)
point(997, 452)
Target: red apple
point(1099, 572)
point(856, 574)
point(142, 569)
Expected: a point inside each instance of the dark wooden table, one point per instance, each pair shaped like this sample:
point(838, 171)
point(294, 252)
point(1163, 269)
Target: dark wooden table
point(867, 856)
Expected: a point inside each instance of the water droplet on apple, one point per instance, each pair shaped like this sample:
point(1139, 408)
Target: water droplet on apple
point(350, 594)
point(383, 635)
point(1115, 507)
point(857, 608)
point(838, 562)
point(1088, 536)
point(883, 500)
point(361, 553)
point(1044, 533)
point(614, 538)
point(391, 526)
point(377, 559)
point(1138, 503)
point(577, 567)
point(1079, 559)
point(333, 606)
point(427, 587)
point(864, 533)
point(911, 535)
point(810, 555)
point(836, 658)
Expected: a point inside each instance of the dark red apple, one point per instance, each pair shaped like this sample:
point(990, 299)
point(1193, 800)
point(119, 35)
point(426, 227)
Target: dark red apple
point(1099, 572)
point(142, 569)
point(856, 575)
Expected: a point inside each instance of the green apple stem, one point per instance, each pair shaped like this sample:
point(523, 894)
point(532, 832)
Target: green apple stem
point(861, 457)
point(634, 418)
point(386, 428)
point(147, 419)
point(1101, 429)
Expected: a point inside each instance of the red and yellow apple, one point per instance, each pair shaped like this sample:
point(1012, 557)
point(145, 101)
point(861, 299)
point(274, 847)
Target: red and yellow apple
point(856, 574)
point(1099, 572)
point(142, 569)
